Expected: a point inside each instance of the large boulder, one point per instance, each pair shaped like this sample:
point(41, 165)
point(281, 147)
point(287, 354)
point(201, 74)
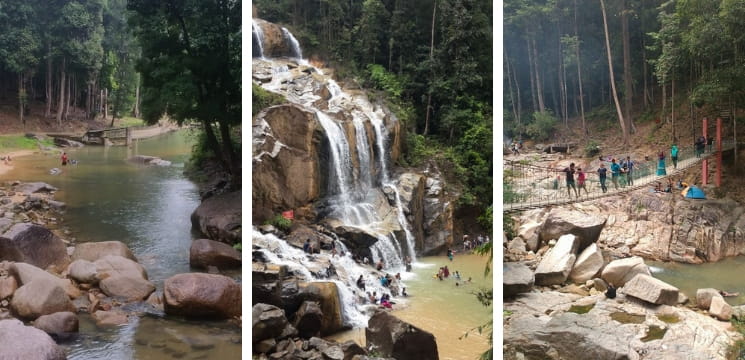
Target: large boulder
point(651, 290)
point(586, 227)
point(202, 295)
point(286, 164)
point(704, 297)
point(83, 271)
point(308, 319)
point(35, 245)
point(112, 265)
point(131, 288)
point(92, 251)
point(268, 322)
point(26, 273)
point(219, 217)
point(555, 267)
point(40, 297)
point(518, 278)
point(720, 309)
point(389, 336)
point(18, 341)
point(274, 43)
point(59, 324)
point(205, 252)
point(619, 272)
point(327, 295)
point(587, 265)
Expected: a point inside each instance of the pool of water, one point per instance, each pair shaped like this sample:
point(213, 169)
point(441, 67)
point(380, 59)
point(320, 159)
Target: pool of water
point(721, 275)
point(148, 208)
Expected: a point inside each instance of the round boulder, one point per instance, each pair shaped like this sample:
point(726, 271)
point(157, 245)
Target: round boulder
point(398, 339)
point(18, 341)
point(205, 252)
point(40, 297)
point(111, 265)
point(35, 245)
point(308, 319)
point(202, 295)
point(128, 287)
point(93, 251)
point(59, 324)
point(83, 271)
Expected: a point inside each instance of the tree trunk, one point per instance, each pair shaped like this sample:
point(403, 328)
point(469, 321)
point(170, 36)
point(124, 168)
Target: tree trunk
point(431, 55)
point(509, 85)
point(66, 113)
point(538, 85)
point(532, 77)
point(21, 97)
point(61, 106)
point(624, 129)
point(628, 89)
point(137, 98)
point(48, 110)
point(106, 103)
point(579, 73)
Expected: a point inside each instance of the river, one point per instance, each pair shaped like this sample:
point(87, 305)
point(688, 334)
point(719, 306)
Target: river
point(147, 208)
point(721, 275)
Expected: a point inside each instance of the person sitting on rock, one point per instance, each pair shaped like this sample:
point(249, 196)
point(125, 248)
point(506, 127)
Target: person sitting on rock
point(361, 283)
point(611, 292)
point(398, 276)
point(306, 246)
point(379, 266)
point(403, 293)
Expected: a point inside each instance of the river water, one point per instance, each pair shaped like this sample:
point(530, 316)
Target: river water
point(721, 275)
point(147, 208)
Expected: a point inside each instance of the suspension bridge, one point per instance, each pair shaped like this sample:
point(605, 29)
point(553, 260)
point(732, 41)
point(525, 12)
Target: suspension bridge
point(528, 186)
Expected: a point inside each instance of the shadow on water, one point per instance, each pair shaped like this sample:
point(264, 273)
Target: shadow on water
point(148, 208)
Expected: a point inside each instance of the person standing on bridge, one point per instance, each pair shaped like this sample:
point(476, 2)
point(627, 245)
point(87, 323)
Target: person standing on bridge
point(581, 181)
point(615, 171)
point(700, 146)
point(602, 174)
point(570, 180)
point(629, 171)
point(674, 155)
point(710, 142)
point(661, 164)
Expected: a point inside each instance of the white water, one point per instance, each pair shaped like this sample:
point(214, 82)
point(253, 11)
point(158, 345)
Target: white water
point(259, 34)
point(294, 44)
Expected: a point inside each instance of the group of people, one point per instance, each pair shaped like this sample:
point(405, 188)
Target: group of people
point(469, 244)
point(516, 147)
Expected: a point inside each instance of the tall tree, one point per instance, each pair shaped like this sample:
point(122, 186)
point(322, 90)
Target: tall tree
point(624, 129)
point(19, 46)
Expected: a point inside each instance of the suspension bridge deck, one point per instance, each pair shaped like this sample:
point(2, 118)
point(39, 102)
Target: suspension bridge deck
point(532, 186)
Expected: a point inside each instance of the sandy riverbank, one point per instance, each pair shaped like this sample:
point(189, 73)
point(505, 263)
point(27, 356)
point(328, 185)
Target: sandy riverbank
point(7, 166)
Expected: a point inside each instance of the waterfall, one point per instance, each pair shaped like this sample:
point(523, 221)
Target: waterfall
point(294, 44)
point(363, 154)
point(257, 37)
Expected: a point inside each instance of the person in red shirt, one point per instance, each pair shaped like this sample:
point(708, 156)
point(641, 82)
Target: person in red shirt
point(581, 181)
point(64, 158)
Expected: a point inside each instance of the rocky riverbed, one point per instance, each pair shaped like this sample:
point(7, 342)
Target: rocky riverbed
point(47, 279)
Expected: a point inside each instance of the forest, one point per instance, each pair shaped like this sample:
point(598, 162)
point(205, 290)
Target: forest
point(567, 61)
point(101, 59)
point(431, 60)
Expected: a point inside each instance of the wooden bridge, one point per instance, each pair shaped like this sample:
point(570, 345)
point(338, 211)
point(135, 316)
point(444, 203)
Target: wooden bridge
point(122, 136)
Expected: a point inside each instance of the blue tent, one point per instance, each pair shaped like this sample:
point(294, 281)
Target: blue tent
point(695, 193)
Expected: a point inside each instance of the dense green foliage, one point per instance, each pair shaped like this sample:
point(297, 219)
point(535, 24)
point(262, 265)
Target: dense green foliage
point(191, 70)
point(68, 55)
point(262, 99)
point(435, 75)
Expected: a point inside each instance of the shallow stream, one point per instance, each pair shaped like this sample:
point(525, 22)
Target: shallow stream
point(721, 275)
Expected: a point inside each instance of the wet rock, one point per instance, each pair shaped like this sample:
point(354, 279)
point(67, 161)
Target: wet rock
point(308, 319)
point(128, 287)
point(720, 309)
point(651, 290)
point(62, 142)
point(110, 318)
point(92, 251)
point(219, 217)
point(26, 273)
point(111, 265)
point(738, 312)
point(40, 297)
point(351, 349)
point(587, 265)
point(35, 245)
point(618, 272)
point(34, 187)
point(411, 190)
point(555, 267)
point(83, 271)
point(704, 297)
point(205, 252)
point(8, 286)
point(60, 324)
point(57, 205)
point(333, 353)
point(265, 346)
point(149, 160)
point(518, 278)
point(268, 322)
point(18, 341)
point(398, 339)
point(274, 44)
point(586, 227)
point(327, 295)
point(202, 295)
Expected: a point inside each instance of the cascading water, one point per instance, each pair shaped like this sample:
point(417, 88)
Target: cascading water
point(294, 44)
point(258, 38)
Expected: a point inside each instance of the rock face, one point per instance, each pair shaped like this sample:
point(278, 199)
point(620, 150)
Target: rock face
point(286, 168)
point(586, 227)
point(555, 267)
point(587, 265)
point(438, 214)
point(720, 309)
point(517, 278)
point(652, 290)
point(40, 297)
point(274, 44)
point(92, 251)
point(18, 341)
point(59, 324)
point(392, 337)
point(205, 252)
point(202, 295)
point(35, 245)
point(411, 189)
point(618, 272)
point(327, 294)
point(704, 297)
point(219, 217)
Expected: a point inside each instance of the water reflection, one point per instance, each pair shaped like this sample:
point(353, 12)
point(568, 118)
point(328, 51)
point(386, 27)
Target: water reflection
point(148, 208)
